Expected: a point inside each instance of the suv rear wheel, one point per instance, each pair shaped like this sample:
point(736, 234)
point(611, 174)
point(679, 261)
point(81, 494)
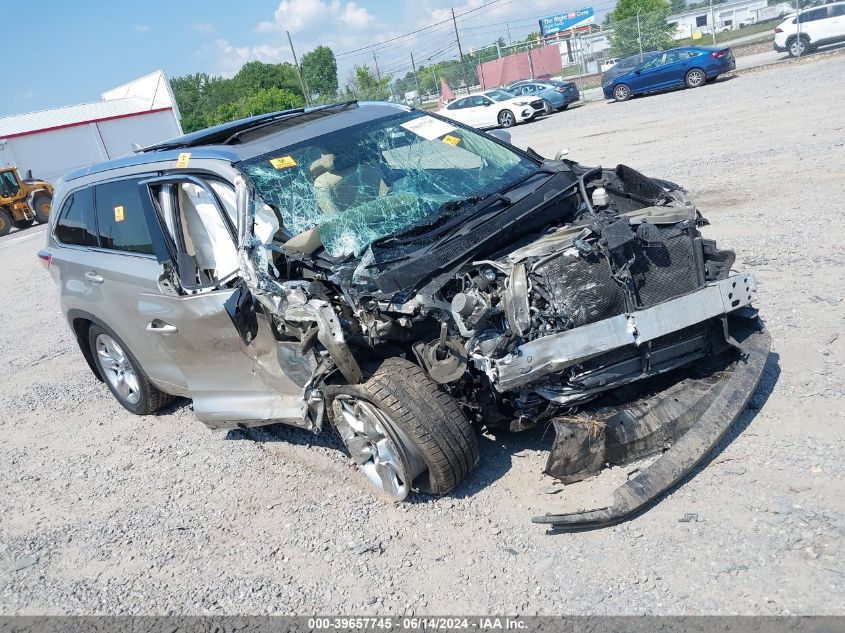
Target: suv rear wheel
point(798, 46)
point(399, 424)
point(122, 373)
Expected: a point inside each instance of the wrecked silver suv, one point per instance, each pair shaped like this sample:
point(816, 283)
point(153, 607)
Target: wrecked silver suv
point(412, 282)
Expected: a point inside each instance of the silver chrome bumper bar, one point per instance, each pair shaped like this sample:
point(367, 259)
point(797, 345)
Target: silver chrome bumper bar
point(553, 353)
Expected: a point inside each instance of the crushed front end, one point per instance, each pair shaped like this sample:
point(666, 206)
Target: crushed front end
point(580, 298)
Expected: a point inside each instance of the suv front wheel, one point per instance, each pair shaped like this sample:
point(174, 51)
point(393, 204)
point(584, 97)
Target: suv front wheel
point(399, 424)
point(122, 373)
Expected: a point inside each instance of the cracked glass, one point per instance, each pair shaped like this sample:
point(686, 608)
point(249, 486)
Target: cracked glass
point(381, 178)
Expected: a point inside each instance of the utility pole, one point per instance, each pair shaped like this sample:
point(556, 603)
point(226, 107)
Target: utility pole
point(378, 75)
point(416, 79)
point(460, 52)
point(299, 72)
point(640, 36)
point(712, 23)
point(510, 41)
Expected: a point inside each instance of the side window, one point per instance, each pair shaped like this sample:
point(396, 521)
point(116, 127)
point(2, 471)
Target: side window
point(121, 223)
point(837, 10)
point(76, 221)
point(530, 89)
point(812, 16)
point(197, 227)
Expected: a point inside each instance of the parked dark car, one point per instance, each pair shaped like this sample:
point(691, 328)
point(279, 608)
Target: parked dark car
point(688, 66)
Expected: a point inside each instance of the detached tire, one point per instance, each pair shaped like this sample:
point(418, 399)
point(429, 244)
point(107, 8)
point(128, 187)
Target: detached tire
point(41, 204)
point(5, 222)
point(122, 373)
point(399, 424)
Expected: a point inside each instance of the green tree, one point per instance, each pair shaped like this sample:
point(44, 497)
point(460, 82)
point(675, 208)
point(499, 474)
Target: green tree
point(319, 69)
point(255, 76)
point(366, 86)
point(656, 33)
point(205, 100)
point(676, 6)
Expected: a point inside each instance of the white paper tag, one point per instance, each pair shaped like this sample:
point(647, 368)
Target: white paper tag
point(428, 127)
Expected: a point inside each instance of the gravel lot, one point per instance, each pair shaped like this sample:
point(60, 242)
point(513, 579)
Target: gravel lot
point(104, 512)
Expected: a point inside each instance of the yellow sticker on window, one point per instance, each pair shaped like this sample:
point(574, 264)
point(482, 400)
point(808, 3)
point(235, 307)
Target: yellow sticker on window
point(183, 160)
point(118, 213)
point(451, 140)
point(283, 162)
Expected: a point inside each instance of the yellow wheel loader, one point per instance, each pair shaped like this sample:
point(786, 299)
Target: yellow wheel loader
point(22, 200)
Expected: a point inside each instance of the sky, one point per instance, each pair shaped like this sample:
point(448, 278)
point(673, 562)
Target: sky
point(85, 47)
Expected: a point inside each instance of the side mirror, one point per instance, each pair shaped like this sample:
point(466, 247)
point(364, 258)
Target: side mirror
point(637, 71)
point(563, 151)
point(502, 135)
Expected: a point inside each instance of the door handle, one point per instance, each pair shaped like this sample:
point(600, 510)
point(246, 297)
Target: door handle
point(160, 327)
point(93, 277)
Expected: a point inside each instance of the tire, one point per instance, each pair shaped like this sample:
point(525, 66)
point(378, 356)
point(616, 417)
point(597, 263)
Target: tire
point(414, 420)
point(41, 204)
point(621, 92)
point(22, 224)
point(563, 107)
point(547, 108)
point(141, 396)
point(5, 222)
point(506, 119)
point(694, 78)
point(798, 46)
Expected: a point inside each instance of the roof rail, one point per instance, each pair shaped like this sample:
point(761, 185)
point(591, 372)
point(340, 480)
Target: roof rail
point(230, 133)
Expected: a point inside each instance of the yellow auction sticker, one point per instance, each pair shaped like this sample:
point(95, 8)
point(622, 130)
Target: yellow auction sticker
point(283, 162)
point(183, 160)
point(118, 213)
point(451, 140)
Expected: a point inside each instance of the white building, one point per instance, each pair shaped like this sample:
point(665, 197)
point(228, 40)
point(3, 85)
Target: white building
point(53, 142)
point(726, 15)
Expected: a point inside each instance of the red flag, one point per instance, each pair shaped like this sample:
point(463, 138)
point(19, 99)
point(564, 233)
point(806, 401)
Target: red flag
point(446, 94)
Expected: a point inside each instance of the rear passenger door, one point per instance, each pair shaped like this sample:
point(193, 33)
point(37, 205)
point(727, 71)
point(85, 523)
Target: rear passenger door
point(106, 259)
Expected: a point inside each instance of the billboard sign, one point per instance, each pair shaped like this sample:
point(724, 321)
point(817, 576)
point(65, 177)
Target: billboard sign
point(565, 21)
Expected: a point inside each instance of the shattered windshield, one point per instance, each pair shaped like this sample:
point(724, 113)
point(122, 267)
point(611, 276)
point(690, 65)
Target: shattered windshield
point(380, 179)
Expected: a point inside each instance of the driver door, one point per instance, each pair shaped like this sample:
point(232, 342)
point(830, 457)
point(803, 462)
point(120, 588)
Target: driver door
point(647, 76)
point(211, 329)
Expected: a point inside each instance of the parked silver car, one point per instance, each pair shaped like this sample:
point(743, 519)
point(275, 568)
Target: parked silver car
point(413, 281)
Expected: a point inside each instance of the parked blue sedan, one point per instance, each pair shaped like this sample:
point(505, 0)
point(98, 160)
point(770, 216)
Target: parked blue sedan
point(556, 95)
point(688, 66)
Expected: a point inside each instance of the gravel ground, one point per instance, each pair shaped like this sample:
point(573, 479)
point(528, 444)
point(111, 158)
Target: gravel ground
point(104, 512)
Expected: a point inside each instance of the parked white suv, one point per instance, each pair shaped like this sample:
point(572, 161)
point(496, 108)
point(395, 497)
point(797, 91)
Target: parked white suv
point(806, 30)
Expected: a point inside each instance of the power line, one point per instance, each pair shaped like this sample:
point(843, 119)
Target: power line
point(420, 30)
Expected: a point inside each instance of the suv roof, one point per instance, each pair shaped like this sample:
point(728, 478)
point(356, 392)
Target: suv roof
point(246, 138)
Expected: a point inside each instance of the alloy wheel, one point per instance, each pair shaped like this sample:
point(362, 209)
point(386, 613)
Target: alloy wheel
point(118, 369)
point(506, 119)
point(797, 48)
point(695, 78)
point(385, 457)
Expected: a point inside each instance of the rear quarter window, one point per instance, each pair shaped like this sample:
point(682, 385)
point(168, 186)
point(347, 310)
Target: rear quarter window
point(121, 222)
point(75, 225)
